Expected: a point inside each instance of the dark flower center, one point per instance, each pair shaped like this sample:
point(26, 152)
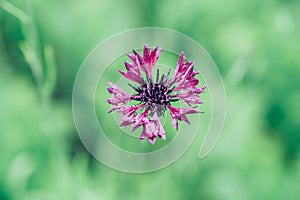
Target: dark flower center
point(154, 93)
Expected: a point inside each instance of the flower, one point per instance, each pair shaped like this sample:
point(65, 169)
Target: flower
point(155, 97)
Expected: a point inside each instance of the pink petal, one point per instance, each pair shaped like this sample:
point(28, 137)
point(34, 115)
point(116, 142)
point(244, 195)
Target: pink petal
point(143, 135)
point(146, 54)
point(132, 76)
point(129, 66)
point(118, 95)
point(141, 119)
point(152, 139)
point(186, 84)
point(152, 56)
point(159, 127)
point(138, 56)
point(133, 58)
point(152, 129)
point(175, 123)
point(201, 89)
point(180, 114)
point(145, 63)
point(127, 120)
point(181, 60)
point(113, 108)
point(184, 118)
point(130, 109)
point(191, 96)
point(128, 112)
point(157, 55)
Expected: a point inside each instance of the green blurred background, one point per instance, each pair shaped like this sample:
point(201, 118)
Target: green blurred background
point(255, 44)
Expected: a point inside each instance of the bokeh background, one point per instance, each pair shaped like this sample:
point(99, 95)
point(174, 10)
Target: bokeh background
point(255, 45)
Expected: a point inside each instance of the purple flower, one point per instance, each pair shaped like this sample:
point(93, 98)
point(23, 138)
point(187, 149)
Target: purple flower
point(155, 97)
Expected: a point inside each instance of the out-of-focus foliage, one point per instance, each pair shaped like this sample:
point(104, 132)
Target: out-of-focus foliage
point(255, 44)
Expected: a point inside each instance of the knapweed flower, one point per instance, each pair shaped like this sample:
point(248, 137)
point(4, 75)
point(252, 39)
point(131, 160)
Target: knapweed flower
point(154, 97)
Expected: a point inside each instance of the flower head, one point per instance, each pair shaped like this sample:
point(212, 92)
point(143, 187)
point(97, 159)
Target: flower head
point(155, 97)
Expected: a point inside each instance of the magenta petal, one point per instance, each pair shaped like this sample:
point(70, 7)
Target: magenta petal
point(146, 54)
point(133, 69)
point(127, 120)
point(130, 109)
point(155, 55)
point(145, 63)
point(186, 84)
point(179, 71)
point(110, 101)
point(133, 58)
point(190, 110)
point(159, 128)
point(152, 57)
point(162, 136)
point(132, 76)
point(138, 56)
point(175, 123)
point(118, 95)
point(184, 118)
point(193, 100)
point(180, 114)
point(110, 90)
point(185, 95)
point(190, 97)
point(152, 139)
point(143, 136)
point(129, 112)
point(141, 119)
point(201, 89)
point(153, 129)
point(194, 82)
point(112, 85)
point(129, 66)
point(115, 108)
point(181, 59)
